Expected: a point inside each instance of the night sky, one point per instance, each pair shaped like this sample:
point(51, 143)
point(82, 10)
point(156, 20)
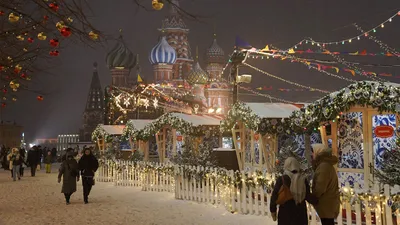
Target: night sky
point(259, 22)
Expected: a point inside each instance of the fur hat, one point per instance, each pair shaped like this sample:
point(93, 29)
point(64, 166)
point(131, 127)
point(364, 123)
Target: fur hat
point(15, 150)
point(320, 149)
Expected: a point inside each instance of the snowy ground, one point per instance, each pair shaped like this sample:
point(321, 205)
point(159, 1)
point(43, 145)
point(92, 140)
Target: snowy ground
point(38, 201)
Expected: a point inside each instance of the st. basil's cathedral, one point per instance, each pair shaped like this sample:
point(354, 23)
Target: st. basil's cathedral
point(173, 64)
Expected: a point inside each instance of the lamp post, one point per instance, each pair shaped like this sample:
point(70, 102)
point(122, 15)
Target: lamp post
point(236, 59)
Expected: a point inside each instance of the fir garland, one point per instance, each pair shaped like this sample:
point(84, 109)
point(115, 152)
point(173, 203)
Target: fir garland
point(177, 123)
point(99, 133)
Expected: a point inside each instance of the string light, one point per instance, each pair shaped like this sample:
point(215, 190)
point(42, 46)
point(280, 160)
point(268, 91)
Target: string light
point(286, 81)
point(266, 95)
point(364, 34)
point(382, 45)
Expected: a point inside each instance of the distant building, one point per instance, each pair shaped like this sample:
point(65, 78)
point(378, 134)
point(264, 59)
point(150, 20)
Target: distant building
point(46, 142)
point(65, 141)
point(10, 134)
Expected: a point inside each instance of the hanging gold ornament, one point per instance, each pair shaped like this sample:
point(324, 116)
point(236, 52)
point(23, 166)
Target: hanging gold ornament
point(70, 20)
point(20, 37)
point(17, 68)
point(4, 98)
point(60, 25)
point(25, 49)
point(93, 35)
point(41, 36)
point(15, 90)
point(14, 99)
point(14, 84)
point(157, 4)
point(13, 18)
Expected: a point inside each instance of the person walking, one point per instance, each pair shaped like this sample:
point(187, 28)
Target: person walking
point(325, 184)
point(48, 160)
point(22, 154)
point(15, 163)
point(70, 175)
point(294, 210)
point(88, 165)
point(33, 159)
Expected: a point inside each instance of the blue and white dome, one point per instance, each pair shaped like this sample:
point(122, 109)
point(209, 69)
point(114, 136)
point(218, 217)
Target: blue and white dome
point(162, 53)
point(120, 56)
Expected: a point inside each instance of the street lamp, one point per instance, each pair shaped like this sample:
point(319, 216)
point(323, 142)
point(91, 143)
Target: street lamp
point(236, 59)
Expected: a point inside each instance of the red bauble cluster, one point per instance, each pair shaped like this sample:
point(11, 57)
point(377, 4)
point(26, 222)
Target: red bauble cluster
point(54, 42)
point(39, 98)
point(54, 7)
point(3, 104)
point(30, 40)
point(66, 31)
point(54, 53)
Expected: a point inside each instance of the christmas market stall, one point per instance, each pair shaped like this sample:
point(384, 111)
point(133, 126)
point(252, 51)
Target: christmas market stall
point(132, 128)
point(103, 135)
point(172, 130)
point(359, 123)
point(256, 130)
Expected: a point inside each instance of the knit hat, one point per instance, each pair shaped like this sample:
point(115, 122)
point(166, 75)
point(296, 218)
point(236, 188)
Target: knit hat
point(320, 149)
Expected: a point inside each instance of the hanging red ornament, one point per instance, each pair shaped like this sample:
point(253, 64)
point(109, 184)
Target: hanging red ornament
point(30, 40)
point(54, 53)
point(1, 13)
point(39, 98)
point(1, 68)
point(45, 17)
point(3, 104)
point(17, 68)
point(66, 31)
point(54, 42)
point(23, 75)
point(54, 7)
point(398, 13)
point(4, 90)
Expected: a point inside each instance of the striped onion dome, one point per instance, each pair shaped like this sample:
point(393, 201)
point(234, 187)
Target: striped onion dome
point(162, 53)
point(215, 54)
point(197, 75)
point(120, 56)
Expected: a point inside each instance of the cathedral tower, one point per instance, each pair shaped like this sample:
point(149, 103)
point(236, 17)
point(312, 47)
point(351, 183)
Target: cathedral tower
point(93, 114)
point(198, 78)
point(120, 60)
point(162, 57)
point(177, 36)
point(218, 92)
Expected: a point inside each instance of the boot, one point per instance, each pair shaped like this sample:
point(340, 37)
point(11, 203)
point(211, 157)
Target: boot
point(86, 199)
point(67, 199)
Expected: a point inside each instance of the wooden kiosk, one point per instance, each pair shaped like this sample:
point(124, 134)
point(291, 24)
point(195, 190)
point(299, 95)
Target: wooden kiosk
point(132, 128)
point(359, 123)
point(173, 129)
point(103, 135)
point(256, 149)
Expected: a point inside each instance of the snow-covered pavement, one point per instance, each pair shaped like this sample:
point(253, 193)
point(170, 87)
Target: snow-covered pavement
point(38, 201)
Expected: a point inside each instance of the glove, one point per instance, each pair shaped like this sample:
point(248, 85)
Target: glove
point(59, 180)
point(77, 179)
point(273, 216)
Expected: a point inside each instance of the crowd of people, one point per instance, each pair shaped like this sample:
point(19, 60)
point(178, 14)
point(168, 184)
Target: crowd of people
point(292, 190)
point(69, 172)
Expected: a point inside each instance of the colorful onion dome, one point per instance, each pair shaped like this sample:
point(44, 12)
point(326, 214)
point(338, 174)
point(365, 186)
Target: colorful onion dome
point(215, 54)
point(197, 75)
point(162, 53)
point(120, 56)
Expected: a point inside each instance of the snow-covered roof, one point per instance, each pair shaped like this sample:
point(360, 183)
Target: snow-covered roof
point(272, 110)
point(140, 124)
point(198, 120)
point(112, 129)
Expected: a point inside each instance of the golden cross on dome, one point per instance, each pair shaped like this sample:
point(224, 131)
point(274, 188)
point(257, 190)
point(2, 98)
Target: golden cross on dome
point(197, 52)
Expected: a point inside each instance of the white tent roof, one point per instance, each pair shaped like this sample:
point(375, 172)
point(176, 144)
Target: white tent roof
point(140, 124)
point(272, 110)
point(198, 120)
point(112, 129)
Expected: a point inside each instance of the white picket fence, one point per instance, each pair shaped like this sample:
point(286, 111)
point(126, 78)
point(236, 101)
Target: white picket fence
point(208, 185)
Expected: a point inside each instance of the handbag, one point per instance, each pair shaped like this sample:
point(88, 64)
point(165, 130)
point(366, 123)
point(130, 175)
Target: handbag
point(284, 194)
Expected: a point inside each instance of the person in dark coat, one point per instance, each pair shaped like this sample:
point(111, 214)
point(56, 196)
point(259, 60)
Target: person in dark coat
point(70, 175)
point(294, 211)
point(39, 152)
point(54, 154)
point(33, 160)
point(22, 154)
point(88, 165)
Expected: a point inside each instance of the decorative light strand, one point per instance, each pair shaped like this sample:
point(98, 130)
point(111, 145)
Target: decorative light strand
point(342, 61)
point(266, 95)
point(349, 40)
point(296, 59)
point(382, 45)
point(281, 79)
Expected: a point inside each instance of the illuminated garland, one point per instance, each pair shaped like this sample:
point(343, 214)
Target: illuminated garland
point(174, 122)
point(99, 132)
point(129, 130)
point(375, 94)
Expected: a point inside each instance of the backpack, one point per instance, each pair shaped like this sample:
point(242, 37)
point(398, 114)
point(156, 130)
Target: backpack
point(284, 194)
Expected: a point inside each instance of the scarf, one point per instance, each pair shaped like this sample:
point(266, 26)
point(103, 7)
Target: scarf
point(297, 184)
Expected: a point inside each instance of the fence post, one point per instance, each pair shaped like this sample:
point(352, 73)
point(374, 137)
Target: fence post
point(387, 208)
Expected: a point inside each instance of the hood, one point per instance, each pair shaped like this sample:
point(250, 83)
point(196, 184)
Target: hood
point(326, 157)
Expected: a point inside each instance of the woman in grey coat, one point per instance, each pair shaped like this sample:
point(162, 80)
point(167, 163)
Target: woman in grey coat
point(70, 174)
